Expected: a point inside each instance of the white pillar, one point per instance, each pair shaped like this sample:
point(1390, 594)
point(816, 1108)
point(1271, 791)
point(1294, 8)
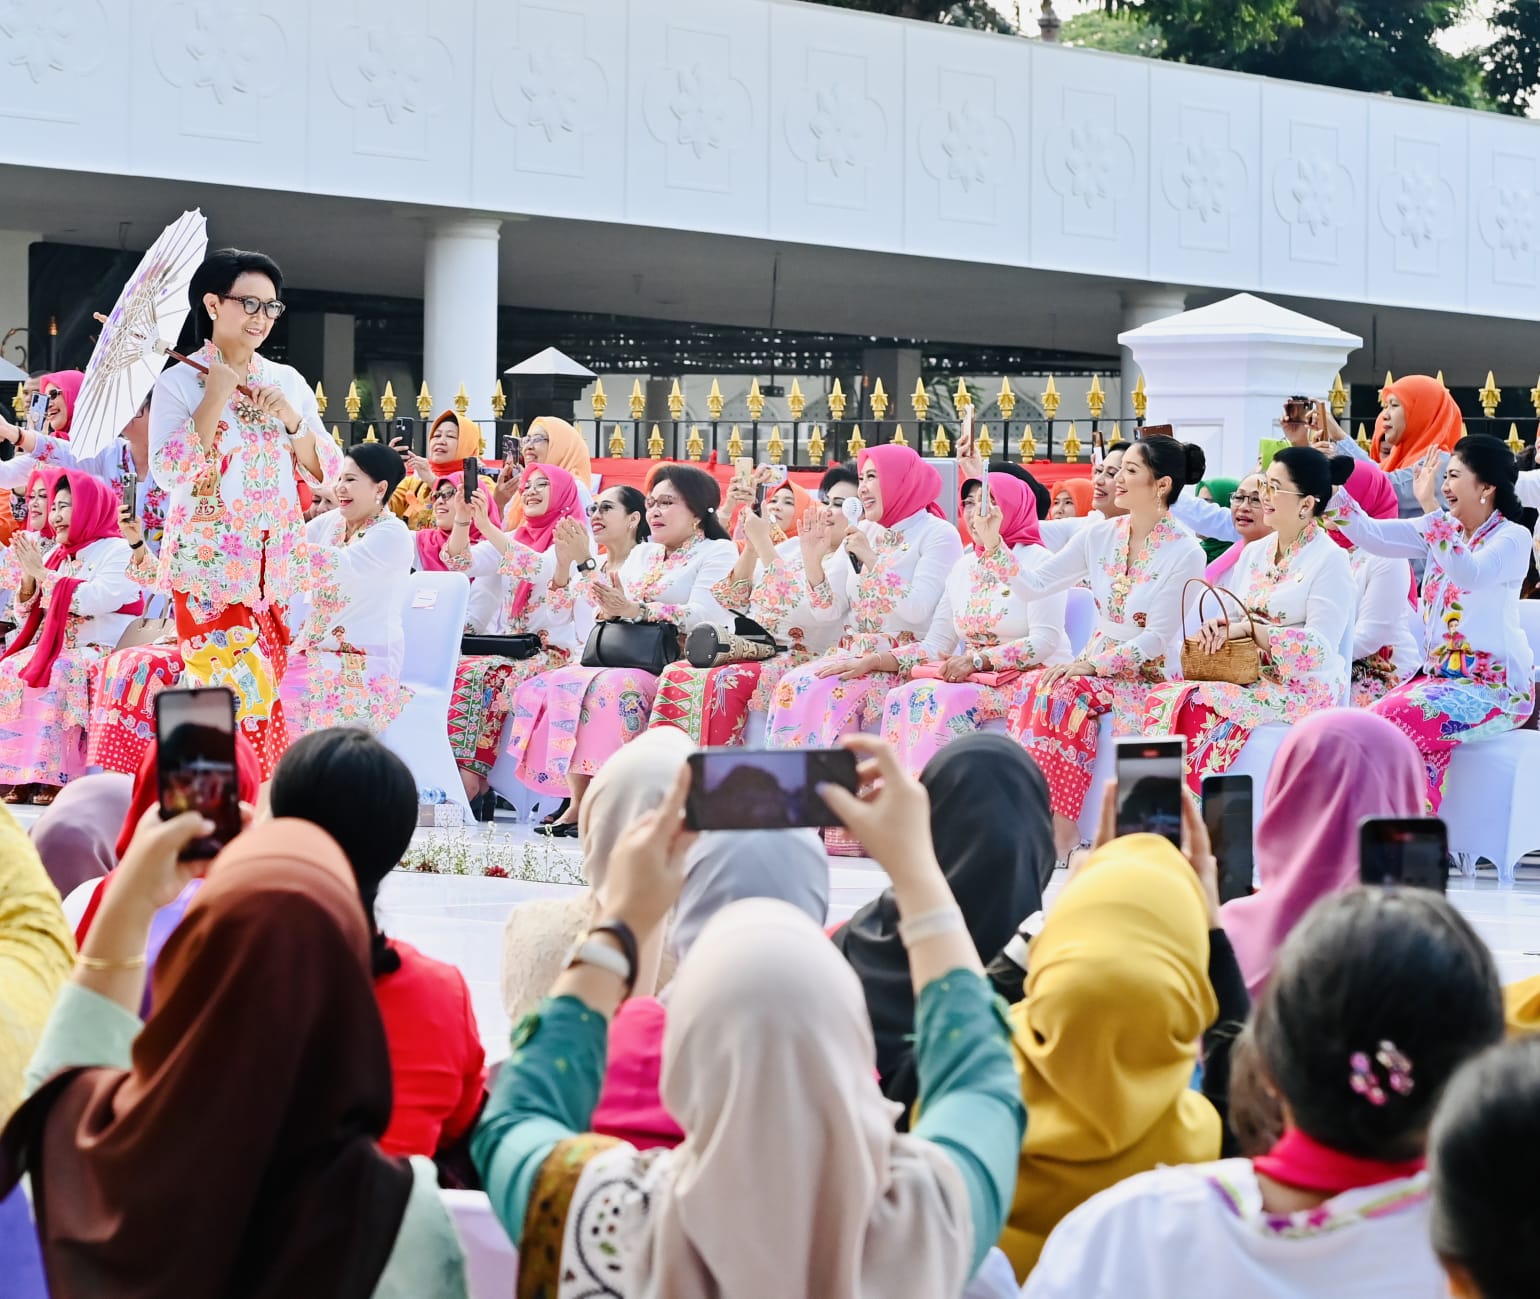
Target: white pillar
point(459, 313)
point(15, 298)
point(1140, 306)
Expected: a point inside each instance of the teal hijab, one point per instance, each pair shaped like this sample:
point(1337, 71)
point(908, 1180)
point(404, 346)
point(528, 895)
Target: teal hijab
point(1221, 489)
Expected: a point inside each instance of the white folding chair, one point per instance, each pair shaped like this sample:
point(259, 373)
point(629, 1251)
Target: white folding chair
point(432, 619)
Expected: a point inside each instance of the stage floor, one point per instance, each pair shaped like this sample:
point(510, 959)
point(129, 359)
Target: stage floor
point(459, 918)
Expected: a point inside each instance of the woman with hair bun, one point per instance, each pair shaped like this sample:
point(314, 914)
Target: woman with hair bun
point(1297, 585)
point(1136, 566)
point(345, 663)
point(1477, 676)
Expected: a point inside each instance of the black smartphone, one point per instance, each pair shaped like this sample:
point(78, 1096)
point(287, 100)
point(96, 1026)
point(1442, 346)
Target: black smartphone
point(472, 477)
point(1227, 814)
point(764, 789)
point(1149, 776)
point(1412, 851)
point(195, 763)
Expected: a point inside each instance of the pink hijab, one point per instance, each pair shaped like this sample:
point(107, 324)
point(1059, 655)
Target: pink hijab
point(539, 533)
point(1336, 768)
point(68, 383)
point(1018, 512)
point(1370, 487)
point(909, 485)
point(432, 539)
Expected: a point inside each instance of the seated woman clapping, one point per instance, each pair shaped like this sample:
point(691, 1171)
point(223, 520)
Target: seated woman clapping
point(768, 1068)
point(1378, 997)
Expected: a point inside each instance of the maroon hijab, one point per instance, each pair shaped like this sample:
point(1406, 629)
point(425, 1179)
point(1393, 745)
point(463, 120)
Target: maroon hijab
point(238, 1154)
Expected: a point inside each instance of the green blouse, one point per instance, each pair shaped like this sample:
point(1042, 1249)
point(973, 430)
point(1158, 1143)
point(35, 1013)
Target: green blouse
point(970, 1098)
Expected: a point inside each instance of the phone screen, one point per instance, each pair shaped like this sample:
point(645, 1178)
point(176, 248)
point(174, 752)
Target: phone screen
point(472, 477)
point(1412, 851)
point(1150, 794)
point(37, 410)
point(195, 762)
point(1227, 816)
point(764, 789)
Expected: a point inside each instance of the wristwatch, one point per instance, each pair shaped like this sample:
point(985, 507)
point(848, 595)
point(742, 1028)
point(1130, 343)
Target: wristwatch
point(978, 662)
point(588, 565)
point(588, 950)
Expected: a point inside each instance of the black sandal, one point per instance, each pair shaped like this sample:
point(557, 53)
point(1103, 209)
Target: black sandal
point(557, 814)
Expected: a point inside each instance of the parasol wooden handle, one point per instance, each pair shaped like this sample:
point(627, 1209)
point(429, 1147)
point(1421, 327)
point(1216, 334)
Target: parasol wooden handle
point(185, 360)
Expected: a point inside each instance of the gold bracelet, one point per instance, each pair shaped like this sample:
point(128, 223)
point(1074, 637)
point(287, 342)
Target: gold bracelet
point(97, 963)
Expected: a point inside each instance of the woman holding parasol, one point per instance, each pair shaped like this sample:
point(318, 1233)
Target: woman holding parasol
point(234, 446)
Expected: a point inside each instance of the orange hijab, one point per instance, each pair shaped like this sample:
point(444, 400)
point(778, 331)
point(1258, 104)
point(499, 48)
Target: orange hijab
point(1432, 419)
point(1079, 490)
point(568, 450)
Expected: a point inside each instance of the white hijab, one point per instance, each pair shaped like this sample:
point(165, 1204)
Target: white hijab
point(791, 1179)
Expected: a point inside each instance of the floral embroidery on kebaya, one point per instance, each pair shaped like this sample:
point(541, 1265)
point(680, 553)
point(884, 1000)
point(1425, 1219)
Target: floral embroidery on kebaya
point(1126, 571)
point(1268, 578)
point(327, 598)
point(657, 577)
point(879, 589)
point(225, 548)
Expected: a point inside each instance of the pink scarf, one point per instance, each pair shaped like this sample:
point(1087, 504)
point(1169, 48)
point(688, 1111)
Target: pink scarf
point(68, 383)
point(93, 517)
point(909, 485)
point(1335, 768)
point(539, 533)
point(1216, 571)
point(432, 540)
point(1018, 512)
point(1305, 1164)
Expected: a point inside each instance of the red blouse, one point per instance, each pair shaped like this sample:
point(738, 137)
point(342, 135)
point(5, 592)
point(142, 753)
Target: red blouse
point(438, 1067)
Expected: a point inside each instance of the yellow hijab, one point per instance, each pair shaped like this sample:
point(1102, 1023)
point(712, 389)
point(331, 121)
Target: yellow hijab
point(567, 450)
point(413, 493)
point(1118, 998)
point(1521, 1007)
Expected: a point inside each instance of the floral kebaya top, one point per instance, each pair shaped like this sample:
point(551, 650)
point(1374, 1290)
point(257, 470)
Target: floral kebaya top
point(1138, 596)
point(1307, 599)
point(106, 587)
point(551, 611)
point(981, 611)
point(357, 588)
point(894, 599)
point(235, 545)
point(112, 464)
point(1470, 594)
point(677, 587)
point(778, 599)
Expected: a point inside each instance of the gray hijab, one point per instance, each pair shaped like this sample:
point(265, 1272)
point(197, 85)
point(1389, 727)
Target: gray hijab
point(727, 866)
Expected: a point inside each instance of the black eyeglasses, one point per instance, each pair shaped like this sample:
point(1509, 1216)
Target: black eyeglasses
point(251, 306)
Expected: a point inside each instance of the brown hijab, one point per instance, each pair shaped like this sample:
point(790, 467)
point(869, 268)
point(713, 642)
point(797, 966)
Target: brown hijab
point(237, 1156)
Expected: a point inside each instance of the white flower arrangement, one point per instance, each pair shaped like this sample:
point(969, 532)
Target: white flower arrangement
point(483, 850)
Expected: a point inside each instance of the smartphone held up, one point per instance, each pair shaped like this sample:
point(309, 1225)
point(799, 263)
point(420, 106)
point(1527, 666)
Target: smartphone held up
point(1149, 786)
point(1412, 851)
point(195, 763)
point(765, 789)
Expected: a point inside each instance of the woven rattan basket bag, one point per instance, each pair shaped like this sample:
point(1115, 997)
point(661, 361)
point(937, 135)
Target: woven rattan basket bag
point(1237, 661)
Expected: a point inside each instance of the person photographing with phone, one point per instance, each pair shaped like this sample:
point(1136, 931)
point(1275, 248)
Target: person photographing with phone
point(233, 448)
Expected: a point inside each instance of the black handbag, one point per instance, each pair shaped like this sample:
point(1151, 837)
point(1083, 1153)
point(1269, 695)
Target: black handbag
point(525, 645)
point(620, 643)
point(706, 647)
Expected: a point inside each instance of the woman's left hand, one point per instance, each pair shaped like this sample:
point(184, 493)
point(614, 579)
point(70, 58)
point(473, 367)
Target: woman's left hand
point(1425, 480)
point(271, 401)
point(857, 543)
point(1060, 671)
point(1213, 634)
point(481, 516)
point(613, 600)
point(852, 669)
point(958, 668)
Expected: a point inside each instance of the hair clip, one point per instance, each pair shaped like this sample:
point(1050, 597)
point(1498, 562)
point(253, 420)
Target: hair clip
point(1363, 1080)
point(1397, 1067)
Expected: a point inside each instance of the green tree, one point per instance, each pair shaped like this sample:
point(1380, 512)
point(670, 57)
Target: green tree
point(1379, 46)
point(1117, 33)
point(1510, 65)
point(955, 13)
